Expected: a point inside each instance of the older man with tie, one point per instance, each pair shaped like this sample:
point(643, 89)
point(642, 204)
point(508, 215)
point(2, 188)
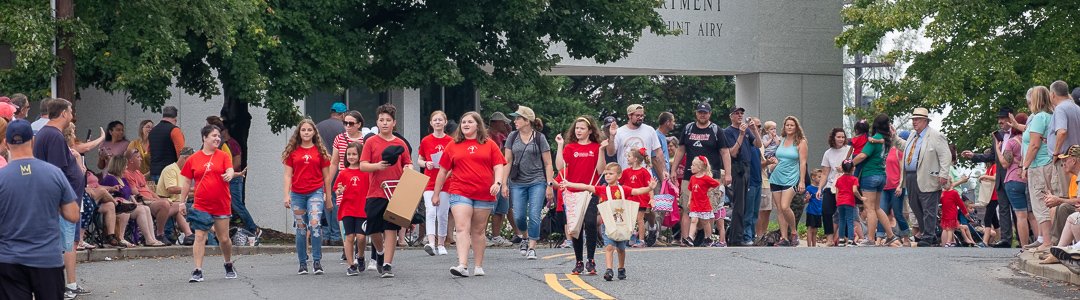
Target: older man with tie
point(926, 164)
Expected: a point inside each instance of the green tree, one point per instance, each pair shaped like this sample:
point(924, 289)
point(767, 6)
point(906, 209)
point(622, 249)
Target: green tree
point(984, 55)
point(561, 99)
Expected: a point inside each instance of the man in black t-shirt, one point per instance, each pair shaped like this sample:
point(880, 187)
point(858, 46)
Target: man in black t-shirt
point(744, 140)
point(701, 138)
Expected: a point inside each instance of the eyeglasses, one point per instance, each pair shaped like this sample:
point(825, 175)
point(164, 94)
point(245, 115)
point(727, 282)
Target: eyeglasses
point(347, 123)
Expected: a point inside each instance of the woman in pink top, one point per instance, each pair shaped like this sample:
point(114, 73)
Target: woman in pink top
point(1015, 186)
point(892, 199)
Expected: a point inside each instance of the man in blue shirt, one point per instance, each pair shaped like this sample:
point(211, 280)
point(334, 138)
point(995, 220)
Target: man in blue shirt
point(33, 196)
point(744, 135)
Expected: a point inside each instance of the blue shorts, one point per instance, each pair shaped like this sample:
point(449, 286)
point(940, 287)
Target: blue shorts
point(501, 205)
point(201, 220)
point(620, 245)
point(67, 235)
point(872, 183)
point(456, 200)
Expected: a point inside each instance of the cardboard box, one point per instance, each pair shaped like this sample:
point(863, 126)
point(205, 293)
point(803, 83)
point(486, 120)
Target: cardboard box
point(406, 198)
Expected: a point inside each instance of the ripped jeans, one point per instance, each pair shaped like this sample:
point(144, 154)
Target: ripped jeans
point(307, 211)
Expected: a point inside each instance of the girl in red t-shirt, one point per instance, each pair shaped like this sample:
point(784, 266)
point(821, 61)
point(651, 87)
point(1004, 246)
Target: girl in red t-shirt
point(210, 170)
point(634, 177)
point(351, 187)
point(307, 190)
point(951, 204)
point(474, 160)
point(582, 162)
point(847, 190)
point(701, 210)
point(437, 216)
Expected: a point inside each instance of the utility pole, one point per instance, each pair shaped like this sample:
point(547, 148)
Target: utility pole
point(63, 85)
point(859, 65)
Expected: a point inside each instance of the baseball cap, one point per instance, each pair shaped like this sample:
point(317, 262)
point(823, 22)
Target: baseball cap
point(338, 107)
point(498, 116)
point(738, 109)
point(1004, 112)
point(187, 151)
point(704, 107)
point(7, 111)
point(634, 107)
point(19, 132)
point(1073, 151)
point(524, 112)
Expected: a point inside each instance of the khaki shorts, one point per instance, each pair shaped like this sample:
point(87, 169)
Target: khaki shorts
point(1041, 181)
point(766, 199)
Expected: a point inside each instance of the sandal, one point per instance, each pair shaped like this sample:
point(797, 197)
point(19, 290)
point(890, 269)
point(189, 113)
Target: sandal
point(85, 246)
point(126, 244)
point(155, 244)
point(115, 242)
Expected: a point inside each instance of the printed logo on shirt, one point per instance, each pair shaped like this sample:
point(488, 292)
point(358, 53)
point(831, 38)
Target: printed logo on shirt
point(633, 143)
point(633, 178)
point(696, 188)
point(584, 154)
point(439, 148)
point(472, 149)
point(698, 138)
point(355, 180)
point(307, 157)
point(208, 165)
point(25, 170)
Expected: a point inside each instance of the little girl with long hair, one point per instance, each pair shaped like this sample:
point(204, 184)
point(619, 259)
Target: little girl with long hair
point(637, 176)
point(352, 186)
point(701, 209)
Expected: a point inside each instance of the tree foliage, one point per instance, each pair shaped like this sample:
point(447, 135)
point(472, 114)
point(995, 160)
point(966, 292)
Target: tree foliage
point(560, 99)
point(984, 55)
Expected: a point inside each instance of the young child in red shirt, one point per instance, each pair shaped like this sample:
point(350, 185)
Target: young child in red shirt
point(950, 203)
point(612, 171)
point(634, 177)
point(352, 186)
point(701, 209)
point(847, 190)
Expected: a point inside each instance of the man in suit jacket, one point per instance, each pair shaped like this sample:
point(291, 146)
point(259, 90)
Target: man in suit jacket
point(926, 164)
point(1005, 213)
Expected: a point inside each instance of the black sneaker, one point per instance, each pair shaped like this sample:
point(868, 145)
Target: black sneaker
point(387, 271)
point(230, 272)
point(303, 269)
point(196, 276)
point(578, 268)
point(707, 243)
point(352, 271)
point(317, 267)
point(591, 267)
point(622, 273)
point(608, 275)
point(79, 291)
point(188, 240)
point(379, 260)
point(516, 239)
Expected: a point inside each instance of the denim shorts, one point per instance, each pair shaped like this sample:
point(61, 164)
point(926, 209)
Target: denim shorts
point(501, 206)
point(201, 220)
point(779, 188)
point(1018, 197)
point(456, 200)
point(621, 245)
point(872, 183)
point(67, 235)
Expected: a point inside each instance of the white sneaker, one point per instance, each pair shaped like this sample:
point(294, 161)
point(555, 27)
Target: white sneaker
point(501, 242)
point(459, 271)
point(491, 242)
point(371, 265)
point(430, 249)
point(442, 250)
point(478, 271)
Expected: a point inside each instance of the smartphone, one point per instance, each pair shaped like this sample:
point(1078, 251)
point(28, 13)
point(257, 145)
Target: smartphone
point(88, 134)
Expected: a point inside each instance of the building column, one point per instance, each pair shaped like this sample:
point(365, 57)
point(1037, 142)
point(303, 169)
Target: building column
point(816, 100)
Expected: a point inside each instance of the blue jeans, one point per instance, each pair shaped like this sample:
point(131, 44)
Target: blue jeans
point(236, 188)
point(891, 203)
point(750, 216)
point(332, 231)
point(528, 201)
point(847, 219)
point(312, 203)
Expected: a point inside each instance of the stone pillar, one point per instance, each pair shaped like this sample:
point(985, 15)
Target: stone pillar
point(817, 100)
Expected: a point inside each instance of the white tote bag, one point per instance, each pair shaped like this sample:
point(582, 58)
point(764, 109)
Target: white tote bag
point(619, 217)
point(574, 205)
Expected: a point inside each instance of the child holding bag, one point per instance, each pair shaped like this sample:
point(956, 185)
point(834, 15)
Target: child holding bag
point(701, 208)
point(634, 177)
point(612, 191)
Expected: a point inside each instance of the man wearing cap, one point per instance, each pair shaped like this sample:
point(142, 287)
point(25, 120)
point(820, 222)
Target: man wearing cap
point(635, 135)
point(1066, 205)
point(744, 140)
point(498, 128)
point(34, 194)
point(1004, 207)
point(926, 164)
point(332, 126)
point(51, 146)
point(702, 138)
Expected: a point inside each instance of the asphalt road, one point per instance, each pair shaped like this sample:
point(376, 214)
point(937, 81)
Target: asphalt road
point(654, 273)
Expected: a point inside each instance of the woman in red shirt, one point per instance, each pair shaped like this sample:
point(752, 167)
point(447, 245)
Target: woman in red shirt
point(431, 148)
point(474, 160)
point(210, 170)
point(307, 190)
point(582, 162)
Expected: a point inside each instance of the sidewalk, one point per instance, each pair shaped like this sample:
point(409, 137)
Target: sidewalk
point(1029, 262)
point(107, 254)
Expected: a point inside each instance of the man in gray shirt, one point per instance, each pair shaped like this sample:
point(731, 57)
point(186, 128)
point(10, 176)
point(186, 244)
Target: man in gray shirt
point(332, 127)
point(1064, 127)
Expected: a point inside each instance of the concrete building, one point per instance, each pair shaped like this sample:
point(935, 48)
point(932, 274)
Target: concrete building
point(781, 52)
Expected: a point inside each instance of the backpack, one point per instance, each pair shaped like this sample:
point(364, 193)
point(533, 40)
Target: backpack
point(689, 126)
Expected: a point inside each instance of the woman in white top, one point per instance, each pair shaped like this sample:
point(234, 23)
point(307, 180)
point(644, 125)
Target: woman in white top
point(836, 154)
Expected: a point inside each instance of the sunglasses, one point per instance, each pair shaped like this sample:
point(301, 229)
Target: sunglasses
point(347, 123)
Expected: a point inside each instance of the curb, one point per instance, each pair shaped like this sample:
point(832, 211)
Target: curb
point(1029, 262)
point(109, 254)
